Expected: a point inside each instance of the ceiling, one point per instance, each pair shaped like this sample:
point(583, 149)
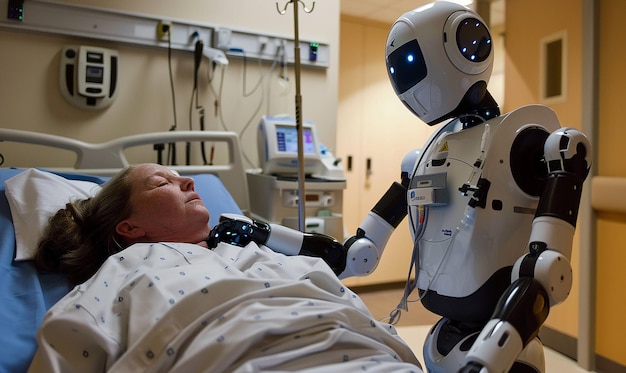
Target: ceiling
point(387, 11)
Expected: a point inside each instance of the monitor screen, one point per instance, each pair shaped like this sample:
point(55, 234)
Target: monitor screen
point(287, 140)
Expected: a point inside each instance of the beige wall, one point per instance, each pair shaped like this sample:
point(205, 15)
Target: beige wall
point(31, 99)
point(611, 131)
point(373, 124)
point(522, 86)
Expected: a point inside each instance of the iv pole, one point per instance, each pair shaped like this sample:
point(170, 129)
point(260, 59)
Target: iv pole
point(301, 175)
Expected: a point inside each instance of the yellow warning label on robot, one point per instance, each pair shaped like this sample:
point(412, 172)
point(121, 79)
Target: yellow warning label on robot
point(444, 147)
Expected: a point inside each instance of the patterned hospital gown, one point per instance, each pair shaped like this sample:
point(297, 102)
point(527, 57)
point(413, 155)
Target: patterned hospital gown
point(182, 308)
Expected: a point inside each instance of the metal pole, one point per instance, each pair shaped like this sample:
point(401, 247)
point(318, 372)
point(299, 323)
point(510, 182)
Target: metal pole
point(298, 97)
point(301, 175)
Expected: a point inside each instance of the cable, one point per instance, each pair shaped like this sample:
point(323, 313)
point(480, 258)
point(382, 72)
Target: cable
point(418, 226)
point(422, 220)
point(396, 314)
point(247, 125)
point(171, 149)
point(245, 72)
point(195, 94)
point(258, 108)
point(218, 104)
point(282, 74)
point(245, 94)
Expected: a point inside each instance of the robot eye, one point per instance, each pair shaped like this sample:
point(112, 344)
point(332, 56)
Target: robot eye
point(406, 66)
point(473, 40)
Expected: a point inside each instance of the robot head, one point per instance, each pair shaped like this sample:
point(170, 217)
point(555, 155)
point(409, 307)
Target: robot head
point(439, 59)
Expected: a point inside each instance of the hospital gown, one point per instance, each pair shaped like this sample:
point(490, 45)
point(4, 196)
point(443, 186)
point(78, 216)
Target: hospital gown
point(183, 308)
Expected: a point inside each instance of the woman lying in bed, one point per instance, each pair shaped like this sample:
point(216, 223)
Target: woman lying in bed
point(151, 297)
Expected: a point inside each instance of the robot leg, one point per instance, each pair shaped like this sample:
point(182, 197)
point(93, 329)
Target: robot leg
point(446, 345)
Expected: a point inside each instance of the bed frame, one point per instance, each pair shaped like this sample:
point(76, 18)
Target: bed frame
point(25, 293)
point(107, 158)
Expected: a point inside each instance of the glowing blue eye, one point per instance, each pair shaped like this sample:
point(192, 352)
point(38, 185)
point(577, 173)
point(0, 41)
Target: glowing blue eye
point(410, 58)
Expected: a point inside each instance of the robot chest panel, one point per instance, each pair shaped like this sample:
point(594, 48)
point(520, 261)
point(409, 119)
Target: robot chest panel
point(468, 205)
point(483, 167)
point(474, 207)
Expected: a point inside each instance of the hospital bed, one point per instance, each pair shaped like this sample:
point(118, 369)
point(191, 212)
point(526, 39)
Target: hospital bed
point(264, 308)
point(25, 295)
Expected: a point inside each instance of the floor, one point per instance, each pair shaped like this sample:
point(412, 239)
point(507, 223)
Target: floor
point(415, 324)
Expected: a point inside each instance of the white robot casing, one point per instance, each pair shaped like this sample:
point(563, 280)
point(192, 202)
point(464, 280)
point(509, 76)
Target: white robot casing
point(477, 236)
point(492, 199)
point(433, 84)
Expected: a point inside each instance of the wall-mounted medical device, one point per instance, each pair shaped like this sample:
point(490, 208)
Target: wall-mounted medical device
point(88, 76)
point(277, 140)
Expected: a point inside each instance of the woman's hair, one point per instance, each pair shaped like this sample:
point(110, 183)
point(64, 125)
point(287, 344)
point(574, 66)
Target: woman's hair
point(80, 237)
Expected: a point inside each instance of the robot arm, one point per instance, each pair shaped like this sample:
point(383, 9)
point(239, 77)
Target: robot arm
point(358, 256)
point(240, 230)
point(543, 277)
point(366, 247)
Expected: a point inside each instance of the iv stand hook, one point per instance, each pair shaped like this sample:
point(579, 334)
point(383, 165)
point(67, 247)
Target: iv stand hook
point(284, 10)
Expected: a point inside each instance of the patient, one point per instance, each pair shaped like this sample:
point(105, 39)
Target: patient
point(143, 203)
point(149, 298)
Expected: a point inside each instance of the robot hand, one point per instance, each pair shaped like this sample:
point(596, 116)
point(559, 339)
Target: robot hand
point(366, 247)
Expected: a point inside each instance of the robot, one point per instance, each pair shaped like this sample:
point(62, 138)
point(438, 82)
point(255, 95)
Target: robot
point(492, 201)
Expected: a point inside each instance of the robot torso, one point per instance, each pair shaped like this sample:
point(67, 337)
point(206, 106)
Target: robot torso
point(472, 198)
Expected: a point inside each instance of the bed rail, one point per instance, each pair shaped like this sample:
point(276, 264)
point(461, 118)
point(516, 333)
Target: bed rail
point(107, 158)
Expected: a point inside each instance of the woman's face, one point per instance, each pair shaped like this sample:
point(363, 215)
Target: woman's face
point(165, 207)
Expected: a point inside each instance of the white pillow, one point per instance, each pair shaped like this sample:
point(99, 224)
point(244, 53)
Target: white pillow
point(33, 197)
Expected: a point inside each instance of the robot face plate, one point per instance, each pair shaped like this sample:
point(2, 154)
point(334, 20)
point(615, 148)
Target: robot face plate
point(406, 66)
point(436, 54)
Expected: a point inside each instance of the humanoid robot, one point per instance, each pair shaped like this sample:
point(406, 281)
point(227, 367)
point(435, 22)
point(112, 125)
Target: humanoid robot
point(492, 201)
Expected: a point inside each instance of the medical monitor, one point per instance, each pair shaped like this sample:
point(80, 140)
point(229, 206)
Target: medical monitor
point(278, 146)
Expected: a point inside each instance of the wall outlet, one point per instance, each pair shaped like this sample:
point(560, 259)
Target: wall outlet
point(223, 38)
point(164, 28)
point(263, 43)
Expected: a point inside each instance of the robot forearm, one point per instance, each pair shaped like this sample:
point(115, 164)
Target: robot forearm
point(293, 242)
point(521, 311)
point(551, 237)
point(240, 230)
point(358, 256)
point(366, 247)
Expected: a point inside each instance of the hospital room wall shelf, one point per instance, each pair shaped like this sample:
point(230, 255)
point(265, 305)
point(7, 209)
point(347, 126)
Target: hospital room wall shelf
point(250, 43)
point(132, 28)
